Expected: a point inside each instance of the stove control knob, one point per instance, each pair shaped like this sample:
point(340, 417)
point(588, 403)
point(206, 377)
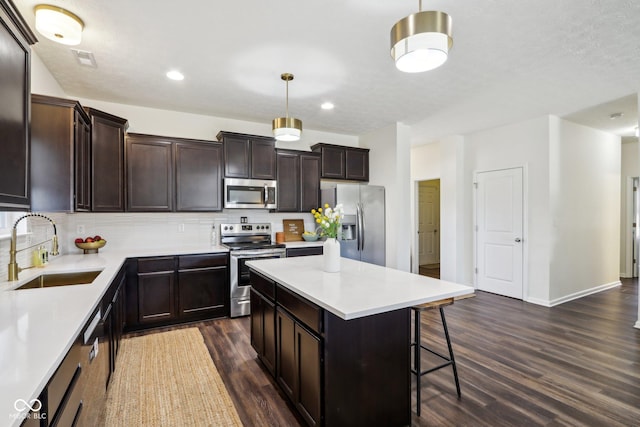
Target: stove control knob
point(231, 227)
point(266, 226)
point(226, 228)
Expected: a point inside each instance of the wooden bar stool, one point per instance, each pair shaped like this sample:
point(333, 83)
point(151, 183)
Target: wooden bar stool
point(418, 346)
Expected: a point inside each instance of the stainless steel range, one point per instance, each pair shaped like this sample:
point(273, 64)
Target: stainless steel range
point(246, 242)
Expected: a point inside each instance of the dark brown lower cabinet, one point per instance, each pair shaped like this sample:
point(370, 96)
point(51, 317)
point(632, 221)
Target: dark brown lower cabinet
point(286, 370)
point(175, 289)
point(156, 299)
point(263, 330)
point(307, 251)
point(202, 290)
point(299, 361)
point(308, 363)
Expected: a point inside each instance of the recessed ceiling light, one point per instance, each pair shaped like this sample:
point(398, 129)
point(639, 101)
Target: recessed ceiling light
point(327, 106)
point(175, 75)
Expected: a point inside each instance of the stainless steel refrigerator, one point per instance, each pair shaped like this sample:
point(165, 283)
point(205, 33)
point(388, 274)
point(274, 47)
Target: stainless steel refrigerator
point(363, 228)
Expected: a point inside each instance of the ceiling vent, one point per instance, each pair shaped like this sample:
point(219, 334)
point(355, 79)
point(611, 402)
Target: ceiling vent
point(85, 58)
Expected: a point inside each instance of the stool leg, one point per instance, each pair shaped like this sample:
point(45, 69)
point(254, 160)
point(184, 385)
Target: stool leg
point(416, 358)
point(453, 361)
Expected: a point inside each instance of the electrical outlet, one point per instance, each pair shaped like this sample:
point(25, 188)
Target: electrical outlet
point(180, 228)
point(80, 229)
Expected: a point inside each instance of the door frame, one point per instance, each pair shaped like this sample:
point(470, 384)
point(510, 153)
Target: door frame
point(627, 237)
point(415, 243)
point(417, 222)
point(525, 225)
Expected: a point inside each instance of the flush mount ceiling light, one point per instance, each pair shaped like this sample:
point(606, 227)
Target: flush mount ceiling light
point(287, 128)
point(58, 24)
point(175, 75)
point(421, 41)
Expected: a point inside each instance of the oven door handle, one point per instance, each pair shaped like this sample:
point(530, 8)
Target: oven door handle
point(260, 254)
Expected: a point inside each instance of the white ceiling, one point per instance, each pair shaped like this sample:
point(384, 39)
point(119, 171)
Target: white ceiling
point(511, 60)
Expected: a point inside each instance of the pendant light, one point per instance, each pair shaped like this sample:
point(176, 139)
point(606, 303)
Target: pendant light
point(58, 24)
point(421, 41)
point(287, 128)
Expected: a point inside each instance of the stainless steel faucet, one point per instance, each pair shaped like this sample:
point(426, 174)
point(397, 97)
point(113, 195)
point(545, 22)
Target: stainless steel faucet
point(13, 264)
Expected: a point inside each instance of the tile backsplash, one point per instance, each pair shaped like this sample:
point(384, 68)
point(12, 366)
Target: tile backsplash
point(127, 230)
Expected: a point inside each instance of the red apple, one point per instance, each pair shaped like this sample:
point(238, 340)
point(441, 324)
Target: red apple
point(96, 238)
point(88, 240)
point(79, 240)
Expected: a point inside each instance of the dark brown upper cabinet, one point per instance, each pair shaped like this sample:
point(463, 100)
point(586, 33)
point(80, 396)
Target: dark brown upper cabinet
point(298, 180)
point(248, 156)
point(288, 181)
point(15, 92)
point(340, 162)
point(60, 155)
point(198, 176)
point(149, 161)
point(173, 174)
point(107, 161)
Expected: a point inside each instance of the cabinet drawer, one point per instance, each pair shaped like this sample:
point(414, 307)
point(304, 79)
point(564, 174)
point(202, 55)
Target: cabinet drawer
point(314, 250)
point(70, 410)
point(263, 285)
point(62, 379)
point(150, 265)
point(307, 312)
point(201, 261)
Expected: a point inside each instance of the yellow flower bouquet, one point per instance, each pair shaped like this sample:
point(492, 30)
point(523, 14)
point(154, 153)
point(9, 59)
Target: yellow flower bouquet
point(329, 219)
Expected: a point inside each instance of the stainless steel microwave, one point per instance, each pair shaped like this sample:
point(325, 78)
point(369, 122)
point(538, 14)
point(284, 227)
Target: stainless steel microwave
point(249, 194)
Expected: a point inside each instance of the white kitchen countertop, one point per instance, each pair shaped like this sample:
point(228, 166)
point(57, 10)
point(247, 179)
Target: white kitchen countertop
point(38, 326)
point(303, 244)
point(359, 289)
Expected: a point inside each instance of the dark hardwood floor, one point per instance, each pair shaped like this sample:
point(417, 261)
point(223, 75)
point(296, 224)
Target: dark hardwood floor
point(577, 364)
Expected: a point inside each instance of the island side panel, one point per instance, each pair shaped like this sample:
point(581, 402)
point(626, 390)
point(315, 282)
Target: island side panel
point(367, 370)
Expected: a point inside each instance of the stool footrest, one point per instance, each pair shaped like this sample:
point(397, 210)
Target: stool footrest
point(444, 365)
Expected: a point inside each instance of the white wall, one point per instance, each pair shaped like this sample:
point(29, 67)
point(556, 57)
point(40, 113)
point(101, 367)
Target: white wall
point(630, 161)
point(453, 189)
point(585, 210)
point(443, 160)
point(524, 144)
point(42, 82)
point(389, 166)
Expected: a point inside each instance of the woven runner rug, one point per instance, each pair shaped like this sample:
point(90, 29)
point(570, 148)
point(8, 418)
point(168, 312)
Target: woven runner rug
point(168, 379)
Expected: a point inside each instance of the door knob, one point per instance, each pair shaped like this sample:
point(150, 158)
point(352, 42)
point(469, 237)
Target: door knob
point(518, 240)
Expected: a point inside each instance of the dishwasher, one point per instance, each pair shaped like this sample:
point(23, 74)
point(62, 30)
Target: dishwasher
point(95, 362)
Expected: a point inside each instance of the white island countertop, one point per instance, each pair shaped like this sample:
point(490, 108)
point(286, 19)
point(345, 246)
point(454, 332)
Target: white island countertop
point(359, 289)
point(38, 326)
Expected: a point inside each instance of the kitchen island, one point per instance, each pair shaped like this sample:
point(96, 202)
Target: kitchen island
point(338, 343)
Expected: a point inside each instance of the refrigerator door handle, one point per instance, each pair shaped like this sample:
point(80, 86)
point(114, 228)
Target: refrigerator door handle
point(361, 225)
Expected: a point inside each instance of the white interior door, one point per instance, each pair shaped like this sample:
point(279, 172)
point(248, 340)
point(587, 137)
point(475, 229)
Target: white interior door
point(429, 222)
point(499, 225)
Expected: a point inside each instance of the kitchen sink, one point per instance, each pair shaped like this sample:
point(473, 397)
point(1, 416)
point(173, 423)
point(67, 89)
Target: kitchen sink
point(61, 279)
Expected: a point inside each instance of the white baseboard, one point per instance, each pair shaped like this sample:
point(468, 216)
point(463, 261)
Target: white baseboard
point(538, 301)
point(576, 295)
